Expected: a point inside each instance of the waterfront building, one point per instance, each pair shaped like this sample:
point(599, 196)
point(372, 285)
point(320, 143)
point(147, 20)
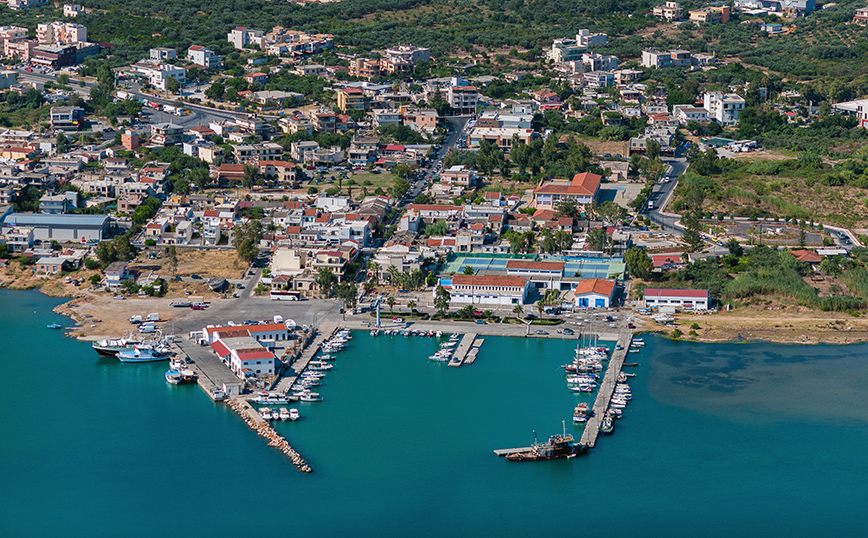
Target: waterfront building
point(594, 293)
point(493, 290)
point(676, 298)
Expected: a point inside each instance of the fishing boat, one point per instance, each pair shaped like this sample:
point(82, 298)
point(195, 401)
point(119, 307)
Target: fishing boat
point(173, 377)
point(273, 398)
point(607, 426)
point(614, 412)
point(310, 398)
point(188, 376)
point(54, 326)
point(622, 377)
point(145, 353)
point(265, 412)
point(558, 446)
point(293, 414)
point(284, 413)
point(111, 347)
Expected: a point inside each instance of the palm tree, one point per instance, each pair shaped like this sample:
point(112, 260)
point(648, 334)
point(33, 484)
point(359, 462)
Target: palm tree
point(391, 302)
point(518, 310)
point(412, 304)
point(540, 307)
point(374, 269)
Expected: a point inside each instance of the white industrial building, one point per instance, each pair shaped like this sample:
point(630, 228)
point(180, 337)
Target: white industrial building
point(678, 298)
point(485, 289)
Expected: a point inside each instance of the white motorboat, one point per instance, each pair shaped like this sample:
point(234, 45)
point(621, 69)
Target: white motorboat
point(293, 414)
point(284, 413)
point(310, 398)
point(327, 357)
point(320, 365)
point(439, 334)
point(274, 398)
point(266, 413)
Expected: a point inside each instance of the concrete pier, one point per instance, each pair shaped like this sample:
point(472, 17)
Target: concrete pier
point(462, 349)
point(211, 372)
point(324, 332)
point(607, 389)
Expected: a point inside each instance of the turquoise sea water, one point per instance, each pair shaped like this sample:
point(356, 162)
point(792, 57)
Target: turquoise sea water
point(720, 440)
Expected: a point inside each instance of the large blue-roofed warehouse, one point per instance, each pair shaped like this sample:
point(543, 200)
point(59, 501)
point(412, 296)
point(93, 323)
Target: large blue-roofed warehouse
point(63, 227)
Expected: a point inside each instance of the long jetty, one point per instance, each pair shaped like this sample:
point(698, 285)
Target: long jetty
point(264, 429)
point(462, 350)
point(607, 389)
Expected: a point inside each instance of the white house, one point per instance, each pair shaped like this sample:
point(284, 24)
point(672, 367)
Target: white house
point(686, 299)
point(594, 293)
point(491, 290)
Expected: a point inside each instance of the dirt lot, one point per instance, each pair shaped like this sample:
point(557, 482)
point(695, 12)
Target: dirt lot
point(601, 147)
point(776, 324)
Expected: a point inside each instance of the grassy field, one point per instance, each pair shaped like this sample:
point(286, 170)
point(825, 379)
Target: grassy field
point(360, 187)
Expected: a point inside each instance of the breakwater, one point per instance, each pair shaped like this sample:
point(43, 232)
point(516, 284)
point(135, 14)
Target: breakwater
point(255, 421)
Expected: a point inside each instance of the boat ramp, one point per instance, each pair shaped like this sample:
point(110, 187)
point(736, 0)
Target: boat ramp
point(465, 350)
point(607, 389)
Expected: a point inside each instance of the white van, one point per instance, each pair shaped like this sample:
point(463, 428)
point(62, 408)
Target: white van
point(135, 319)
point(650, 206)
point(153, 317)
point(148, 327)
point(278, 319)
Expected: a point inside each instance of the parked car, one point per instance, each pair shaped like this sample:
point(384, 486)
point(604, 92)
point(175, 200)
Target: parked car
point(542, 332)
point(196, 277)
point(480, 321)
point(568, 331)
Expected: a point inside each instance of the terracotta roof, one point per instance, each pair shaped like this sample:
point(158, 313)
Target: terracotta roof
point(808, 256)
point(220, 349)
point(584, 184)
point(253, 355)
point(434, 207)
point(596, 285)
point(488, 280)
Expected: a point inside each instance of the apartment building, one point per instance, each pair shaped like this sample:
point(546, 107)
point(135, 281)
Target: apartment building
point(671, 11)
point(203, 57)
point(586, 39)
point(661, 60)
point(365, 68)
point(351, 99)
point(241, 37)
point(462, 98)
point(710, 15)
point(49, 33)
point(166, 134)
point(724, 108)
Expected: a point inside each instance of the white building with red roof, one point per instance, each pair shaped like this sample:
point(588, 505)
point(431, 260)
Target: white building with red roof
point(244, 349)
point(493, 290)
point(584, 189)
point(594, 293)
point(677, 298)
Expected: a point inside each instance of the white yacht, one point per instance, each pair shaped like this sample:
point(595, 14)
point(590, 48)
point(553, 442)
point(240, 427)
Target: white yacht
point(293, 414)
point(266, 413)
point(284, 413)
point(274, 398)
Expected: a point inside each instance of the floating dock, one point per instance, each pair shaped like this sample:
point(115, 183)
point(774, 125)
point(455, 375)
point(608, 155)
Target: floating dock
point(462, 350)
point(607, 388)
point(508, 451)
